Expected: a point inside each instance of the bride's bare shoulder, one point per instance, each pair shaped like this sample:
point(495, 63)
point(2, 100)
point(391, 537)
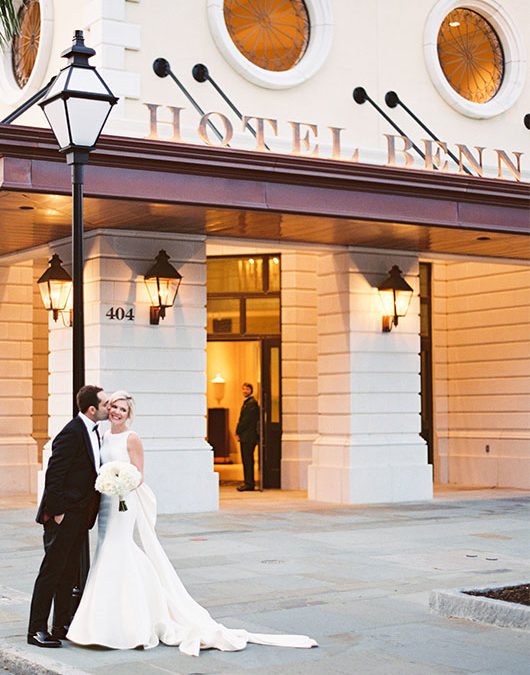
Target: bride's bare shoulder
point(134, 442)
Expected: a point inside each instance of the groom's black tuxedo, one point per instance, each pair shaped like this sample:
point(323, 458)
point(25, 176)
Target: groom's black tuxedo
point(69, 489)
point(71, 474)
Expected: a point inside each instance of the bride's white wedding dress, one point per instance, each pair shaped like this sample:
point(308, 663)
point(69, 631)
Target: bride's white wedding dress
point(134, 597)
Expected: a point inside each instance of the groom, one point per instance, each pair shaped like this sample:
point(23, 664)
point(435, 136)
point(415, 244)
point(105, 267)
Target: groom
point(68, 510)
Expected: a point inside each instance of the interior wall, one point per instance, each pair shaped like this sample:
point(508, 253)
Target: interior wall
point(236, 362)
point(481, 363)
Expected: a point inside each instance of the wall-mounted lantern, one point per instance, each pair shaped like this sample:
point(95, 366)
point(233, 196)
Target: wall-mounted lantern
point(395, 294)
point(162, 282)
point(55, 286)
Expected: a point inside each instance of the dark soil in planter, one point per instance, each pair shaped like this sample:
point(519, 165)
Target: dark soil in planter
point(519, 594)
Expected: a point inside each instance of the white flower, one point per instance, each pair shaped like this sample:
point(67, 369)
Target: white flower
point(117, 479)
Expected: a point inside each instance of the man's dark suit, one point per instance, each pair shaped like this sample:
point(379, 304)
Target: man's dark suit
point(247, 430)
point(69, 489)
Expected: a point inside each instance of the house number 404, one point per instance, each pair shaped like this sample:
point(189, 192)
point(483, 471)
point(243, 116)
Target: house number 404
point(120, 313)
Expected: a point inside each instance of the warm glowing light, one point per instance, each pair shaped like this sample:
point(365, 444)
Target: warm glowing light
point(395, 295)
point(251, 261)
point(162, 282)
point(55, 286)
point(218, 384)
point(272, 34)
point(275, 261)
point(471, 57)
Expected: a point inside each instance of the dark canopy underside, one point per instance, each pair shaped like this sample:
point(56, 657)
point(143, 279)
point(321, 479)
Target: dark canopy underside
point(144, 185)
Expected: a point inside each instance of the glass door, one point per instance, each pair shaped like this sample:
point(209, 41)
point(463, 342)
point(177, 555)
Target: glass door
point(271, 423)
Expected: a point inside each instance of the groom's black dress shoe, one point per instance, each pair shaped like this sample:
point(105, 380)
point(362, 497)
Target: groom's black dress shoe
point(42, 638)
point(59, 632)
point(245, 488)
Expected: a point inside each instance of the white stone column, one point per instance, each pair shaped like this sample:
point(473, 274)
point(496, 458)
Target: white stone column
point(162, 366)
point(18, 450)
point(369, 449)
point(117, 41)
point(299, 366)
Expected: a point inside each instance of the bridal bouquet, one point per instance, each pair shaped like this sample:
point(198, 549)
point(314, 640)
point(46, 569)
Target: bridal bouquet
point(118, 478)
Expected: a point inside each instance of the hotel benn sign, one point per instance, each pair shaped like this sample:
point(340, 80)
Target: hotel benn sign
point(305, 141)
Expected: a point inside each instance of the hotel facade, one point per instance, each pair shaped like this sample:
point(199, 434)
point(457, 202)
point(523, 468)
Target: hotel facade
point(286, 155)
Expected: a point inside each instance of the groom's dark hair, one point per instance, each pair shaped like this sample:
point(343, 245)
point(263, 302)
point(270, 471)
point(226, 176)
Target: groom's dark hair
point(87, 396)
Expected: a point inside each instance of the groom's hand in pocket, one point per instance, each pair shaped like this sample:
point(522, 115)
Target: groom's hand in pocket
point(59, 518)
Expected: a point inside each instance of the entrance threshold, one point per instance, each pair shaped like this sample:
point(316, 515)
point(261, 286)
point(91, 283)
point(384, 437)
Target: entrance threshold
point(296, 500)
point(447, 492)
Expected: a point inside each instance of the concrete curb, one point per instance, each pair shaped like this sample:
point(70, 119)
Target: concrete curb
point(455, 603)
point(19, 663)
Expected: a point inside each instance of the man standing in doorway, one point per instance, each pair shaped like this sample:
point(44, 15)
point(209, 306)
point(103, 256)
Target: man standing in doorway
point(247, 435)
point(68, 510)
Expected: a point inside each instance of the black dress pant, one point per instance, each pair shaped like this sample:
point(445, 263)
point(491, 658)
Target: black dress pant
point(58, 572)
point(247, 456)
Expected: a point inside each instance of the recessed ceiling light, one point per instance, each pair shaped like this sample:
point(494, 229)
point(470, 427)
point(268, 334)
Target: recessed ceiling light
point(26, 208)
point(483, 238)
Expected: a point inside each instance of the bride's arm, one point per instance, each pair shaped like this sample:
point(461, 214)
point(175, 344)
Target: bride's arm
point(136, 452)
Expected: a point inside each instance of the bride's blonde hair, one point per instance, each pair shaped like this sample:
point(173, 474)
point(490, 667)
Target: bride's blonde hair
point(122, 395)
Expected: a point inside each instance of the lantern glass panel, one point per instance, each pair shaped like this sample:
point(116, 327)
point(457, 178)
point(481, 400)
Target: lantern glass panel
point(387, 300)
point(58, 84)
point(86, 79)
point(162, 292)
point(86, 120)
point(45, 294)
point(56, 115)
point(168, 291)
point(55, 294)
point(403, 299)
point(152, 288)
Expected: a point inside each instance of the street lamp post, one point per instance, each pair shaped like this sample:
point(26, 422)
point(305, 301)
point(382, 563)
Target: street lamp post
point(77, 105)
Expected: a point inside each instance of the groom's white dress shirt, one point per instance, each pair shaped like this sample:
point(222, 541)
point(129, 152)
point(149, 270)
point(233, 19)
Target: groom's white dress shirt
point(91, 428)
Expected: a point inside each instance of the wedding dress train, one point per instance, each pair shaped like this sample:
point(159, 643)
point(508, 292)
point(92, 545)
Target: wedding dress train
point(134, 597)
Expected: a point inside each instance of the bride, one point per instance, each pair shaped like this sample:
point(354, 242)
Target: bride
point(133, 597)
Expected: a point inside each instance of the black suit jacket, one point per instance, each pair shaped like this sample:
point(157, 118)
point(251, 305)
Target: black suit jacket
point(247, 427)
point(71, 474)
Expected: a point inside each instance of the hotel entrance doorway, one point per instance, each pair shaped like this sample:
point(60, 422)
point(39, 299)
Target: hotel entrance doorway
point(229, 364)
point(244, 345)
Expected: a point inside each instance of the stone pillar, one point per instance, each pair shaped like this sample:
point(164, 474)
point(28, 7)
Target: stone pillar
point(18, 450)
point(299, 366)
point(369, 449)
point(117, 42)
point(162, 366)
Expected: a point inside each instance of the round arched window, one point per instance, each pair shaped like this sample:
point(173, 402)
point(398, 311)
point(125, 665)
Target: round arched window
point(26, 43)
point(470, 55)
point(272, 34)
